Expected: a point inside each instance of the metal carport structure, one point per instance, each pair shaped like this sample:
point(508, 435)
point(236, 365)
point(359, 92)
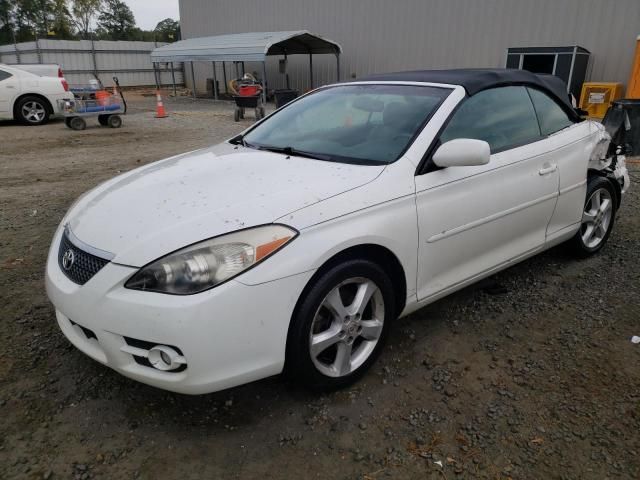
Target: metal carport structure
point(246, 47)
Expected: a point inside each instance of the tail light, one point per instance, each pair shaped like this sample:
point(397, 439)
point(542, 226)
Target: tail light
point(65, 85)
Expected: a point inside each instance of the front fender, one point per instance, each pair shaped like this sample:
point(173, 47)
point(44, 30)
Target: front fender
point(391, 225)
point(382, 212)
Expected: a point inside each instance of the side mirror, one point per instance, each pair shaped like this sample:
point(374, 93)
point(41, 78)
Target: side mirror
point(462, 152)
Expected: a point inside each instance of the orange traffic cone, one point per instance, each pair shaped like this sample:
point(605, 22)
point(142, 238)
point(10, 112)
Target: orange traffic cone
point(160, 111)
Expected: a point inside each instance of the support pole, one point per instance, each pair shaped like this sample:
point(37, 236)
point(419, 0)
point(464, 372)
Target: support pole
point(311, 70)
point(224, 77)
point(155, 75)
point(15, 46)
point(338, 65)
point(173, 79)
point(93, 56)
point(286, 70)
point(193, 79)
point(39, 52)
point(264, 81)
point(215, 82)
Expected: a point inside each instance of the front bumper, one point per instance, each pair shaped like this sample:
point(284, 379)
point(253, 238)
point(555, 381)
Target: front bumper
point(229, 335)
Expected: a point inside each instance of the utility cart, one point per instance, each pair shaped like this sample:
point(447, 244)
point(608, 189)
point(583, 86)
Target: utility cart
point(93, 101)
point(75, 112)
point(243, 103)
point(248, 95)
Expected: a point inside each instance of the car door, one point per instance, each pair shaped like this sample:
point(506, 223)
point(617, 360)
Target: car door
point(571, 144)
point(8, 91)
point(474, 219)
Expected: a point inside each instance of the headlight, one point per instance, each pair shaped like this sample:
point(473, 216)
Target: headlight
point(206, 264)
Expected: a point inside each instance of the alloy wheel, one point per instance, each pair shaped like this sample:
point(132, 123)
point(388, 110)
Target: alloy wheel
point(596, 218)
point(33, 112)
point(347, 327)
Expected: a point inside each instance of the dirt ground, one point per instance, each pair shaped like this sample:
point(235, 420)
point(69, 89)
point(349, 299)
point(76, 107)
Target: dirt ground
point(529, 375)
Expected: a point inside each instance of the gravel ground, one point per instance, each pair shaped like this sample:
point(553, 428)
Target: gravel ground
point(528, 375)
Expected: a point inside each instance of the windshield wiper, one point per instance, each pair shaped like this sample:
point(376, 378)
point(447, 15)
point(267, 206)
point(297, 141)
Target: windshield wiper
point(292, 151)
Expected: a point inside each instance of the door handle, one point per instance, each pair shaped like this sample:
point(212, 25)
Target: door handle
point(11, 86)
point(547, 169)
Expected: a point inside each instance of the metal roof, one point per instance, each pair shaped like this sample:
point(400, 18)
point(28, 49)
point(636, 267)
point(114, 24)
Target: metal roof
point(248, 47)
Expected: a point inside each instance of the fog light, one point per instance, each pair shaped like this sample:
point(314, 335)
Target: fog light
point(165, 358)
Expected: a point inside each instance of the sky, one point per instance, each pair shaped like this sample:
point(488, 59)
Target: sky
point(149, 12)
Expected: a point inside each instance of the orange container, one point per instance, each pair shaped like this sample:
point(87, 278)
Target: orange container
point(249, 90)
point(102, 97)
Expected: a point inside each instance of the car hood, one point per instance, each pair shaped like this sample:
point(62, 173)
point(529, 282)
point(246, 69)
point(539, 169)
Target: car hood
point(164, 206)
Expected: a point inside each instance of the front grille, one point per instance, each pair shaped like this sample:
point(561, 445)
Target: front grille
point(83, 265)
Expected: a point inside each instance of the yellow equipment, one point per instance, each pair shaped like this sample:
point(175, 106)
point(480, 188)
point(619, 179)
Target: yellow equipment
point(596, 98)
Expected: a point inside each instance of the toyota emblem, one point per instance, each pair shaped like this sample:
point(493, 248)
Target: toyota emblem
point(67, 259)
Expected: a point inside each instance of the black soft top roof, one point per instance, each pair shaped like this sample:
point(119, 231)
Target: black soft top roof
point(476, 80)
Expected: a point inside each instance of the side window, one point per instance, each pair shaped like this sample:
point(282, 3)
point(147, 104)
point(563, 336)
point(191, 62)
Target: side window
point(504, 117)
point(551, 116)
point(4, 75)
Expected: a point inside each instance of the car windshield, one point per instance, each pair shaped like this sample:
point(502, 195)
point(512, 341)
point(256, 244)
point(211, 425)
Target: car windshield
point(366, 124)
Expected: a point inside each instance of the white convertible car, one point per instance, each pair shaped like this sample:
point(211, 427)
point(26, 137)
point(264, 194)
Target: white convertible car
point(295, 245)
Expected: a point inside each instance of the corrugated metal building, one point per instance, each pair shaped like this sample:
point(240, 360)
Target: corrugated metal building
point(130, 61)
point(391, 35)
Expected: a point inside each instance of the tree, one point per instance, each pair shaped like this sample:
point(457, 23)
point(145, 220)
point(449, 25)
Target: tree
point(84, 11)
point(168, 30)
point(61, 21)
point(7, 25)
point(33, 18)
point(116, 21)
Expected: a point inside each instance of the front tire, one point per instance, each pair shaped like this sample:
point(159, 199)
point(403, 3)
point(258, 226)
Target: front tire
point(77, 123)
point(32, 111)
point(340, 325)
point(598, 217)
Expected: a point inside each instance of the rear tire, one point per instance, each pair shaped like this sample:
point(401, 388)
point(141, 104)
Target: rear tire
point(598, 218)
point(340, 325)
point(114, 121)
point(32, 110)
point(236, 115)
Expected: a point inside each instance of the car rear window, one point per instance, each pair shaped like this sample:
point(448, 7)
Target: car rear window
point(551, 116)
